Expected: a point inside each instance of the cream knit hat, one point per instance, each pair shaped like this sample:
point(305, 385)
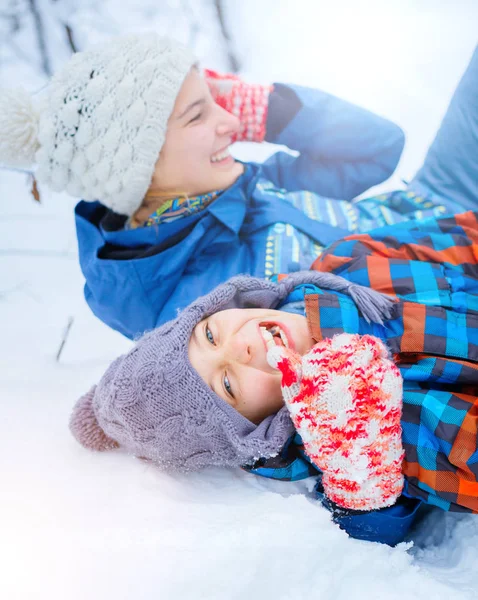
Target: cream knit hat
point(99, 129)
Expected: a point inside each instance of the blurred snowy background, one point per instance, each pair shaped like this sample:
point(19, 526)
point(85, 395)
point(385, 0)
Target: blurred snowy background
point(77, 525)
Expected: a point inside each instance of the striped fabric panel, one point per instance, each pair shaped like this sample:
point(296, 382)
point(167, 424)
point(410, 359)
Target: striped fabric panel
point(288, 249)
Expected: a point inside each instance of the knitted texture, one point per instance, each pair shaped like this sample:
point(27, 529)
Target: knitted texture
point(102, 121)
point(154, 404)
point(345, 400)
point(247, 101)
point(84, 425)
point(18, 128)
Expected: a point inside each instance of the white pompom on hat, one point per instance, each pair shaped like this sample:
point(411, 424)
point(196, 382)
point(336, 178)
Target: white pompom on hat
point(100, 127)
point(18, 128)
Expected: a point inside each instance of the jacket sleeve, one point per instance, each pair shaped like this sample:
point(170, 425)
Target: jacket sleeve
point(450, 167)
point(344, 149)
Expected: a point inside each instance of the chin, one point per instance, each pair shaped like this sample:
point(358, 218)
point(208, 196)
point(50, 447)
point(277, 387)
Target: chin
point(232, 174)
point(221, 180)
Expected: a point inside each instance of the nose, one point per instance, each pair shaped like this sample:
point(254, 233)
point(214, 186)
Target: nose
point(238, 350)
point(227, 123)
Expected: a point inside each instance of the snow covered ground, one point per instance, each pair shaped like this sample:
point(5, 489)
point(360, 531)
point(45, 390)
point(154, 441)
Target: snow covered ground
point(77, 525)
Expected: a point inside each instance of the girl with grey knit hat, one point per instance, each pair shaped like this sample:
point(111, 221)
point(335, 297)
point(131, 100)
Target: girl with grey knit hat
point(198, 391)
point(142, 133)
point(210, 389)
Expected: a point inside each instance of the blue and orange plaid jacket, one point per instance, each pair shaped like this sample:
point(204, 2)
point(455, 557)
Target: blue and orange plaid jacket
point(431, 267)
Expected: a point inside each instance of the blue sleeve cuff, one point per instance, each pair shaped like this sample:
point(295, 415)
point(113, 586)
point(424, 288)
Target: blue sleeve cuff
point(386, 526)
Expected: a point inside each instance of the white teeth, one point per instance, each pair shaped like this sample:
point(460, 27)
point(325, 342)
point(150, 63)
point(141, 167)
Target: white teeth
point(268, 335)
point(220, 155)
point(283, 338)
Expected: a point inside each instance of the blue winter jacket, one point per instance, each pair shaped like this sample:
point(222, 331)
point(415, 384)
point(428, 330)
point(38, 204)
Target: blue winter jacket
point(138, 279)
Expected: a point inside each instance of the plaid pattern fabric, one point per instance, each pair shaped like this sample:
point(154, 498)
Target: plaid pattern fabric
point(292, 464)
point(432, 267)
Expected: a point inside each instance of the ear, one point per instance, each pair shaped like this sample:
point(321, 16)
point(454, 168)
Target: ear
point(85, 427)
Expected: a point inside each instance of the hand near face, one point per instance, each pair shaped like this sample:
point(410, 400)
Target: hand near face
point(345, 397)
point(247, 101)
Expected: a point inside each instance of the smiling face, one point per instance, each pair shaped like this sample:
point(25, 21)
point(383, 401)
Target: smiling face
point(195, 158)
point(229, 348)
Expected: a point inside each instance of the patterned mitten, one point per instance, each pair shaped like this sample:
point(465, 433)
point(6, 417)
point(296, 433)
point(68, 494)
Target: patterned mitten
point(345, 398)
point(248, 102)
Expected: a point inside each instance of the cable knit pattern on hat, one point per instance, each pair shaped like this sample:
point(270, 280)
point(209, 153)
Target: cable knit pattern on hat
point(345, 399)
point(154, 404)
point(103, 119)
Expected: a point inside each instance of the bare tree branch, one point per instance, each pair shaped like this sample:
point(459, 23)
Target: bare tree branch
point(41, 38)
point(231, 56)
point(71, 39)
point(64, 338)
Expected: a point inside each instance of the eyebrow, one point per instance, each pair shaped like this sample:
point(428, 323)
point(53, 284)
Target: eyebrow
point(191, 106)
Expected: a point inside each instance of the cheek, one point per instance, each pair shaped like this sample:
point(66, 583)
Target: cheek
point(185, 144)
point(194, 144)
point(201, 141)
point(180, 150)
point(262, 389)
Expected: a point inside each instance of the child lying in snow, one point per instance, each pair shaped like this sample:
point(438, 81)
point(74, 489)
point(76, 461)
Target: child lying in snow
point(198, 390)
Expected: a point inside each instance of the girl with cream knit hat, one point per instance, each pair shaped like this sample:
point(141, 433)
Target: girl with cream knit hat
point(139, 131)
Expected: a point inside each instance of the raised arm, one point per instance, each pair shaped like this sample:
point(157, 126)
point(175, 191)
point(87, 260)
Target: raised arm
point(344, 149)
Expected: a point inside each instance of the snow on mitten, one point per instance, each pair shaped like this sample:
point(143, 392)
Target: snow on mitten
point(247, 101)
point(345, 399)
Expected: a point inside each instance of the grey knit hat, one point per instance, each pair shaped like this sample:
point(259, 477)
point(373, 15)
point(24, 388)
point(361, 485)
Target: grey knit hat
point(153, 403)
point(101, 123)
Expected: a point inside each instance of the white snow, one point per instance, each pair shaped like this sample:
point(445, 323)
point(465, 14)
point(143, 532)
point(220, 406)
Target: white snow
point(77, 525)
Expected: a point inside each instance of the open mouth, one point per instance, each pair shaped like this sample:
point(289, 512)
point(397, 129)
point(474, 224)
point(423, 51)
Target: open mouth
point(273, 335)
point(222, 156)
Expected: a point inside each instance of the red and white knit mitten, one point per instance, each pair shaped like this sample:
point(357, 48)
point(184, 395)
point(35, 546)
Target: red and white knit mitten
point(248, 102)
point(345, 400)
